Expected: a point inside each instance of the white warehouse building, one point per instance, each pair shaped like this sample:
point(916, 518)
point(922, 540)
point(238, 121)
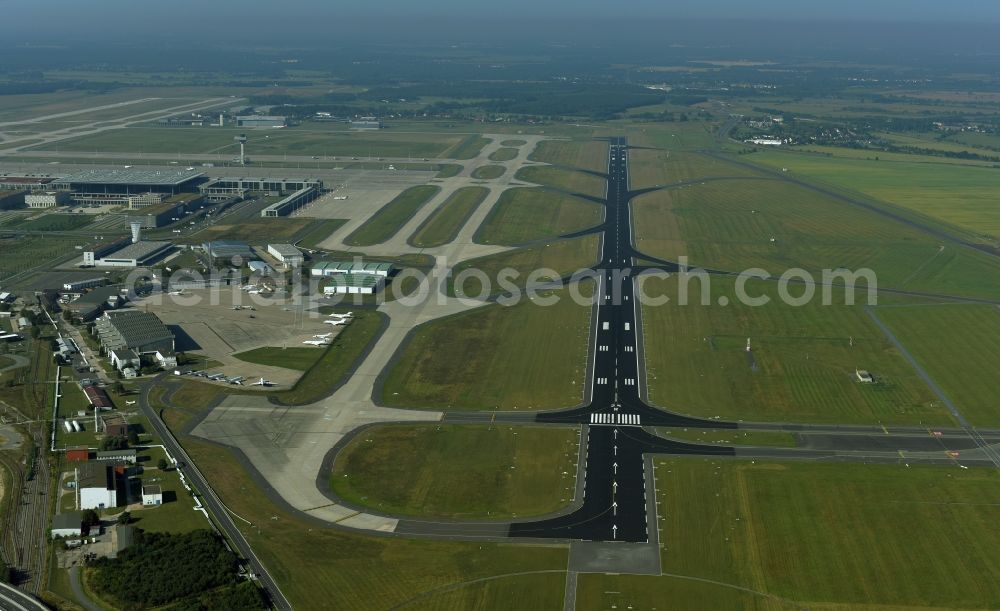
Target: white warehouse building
point(290, 256)
point(47, 199)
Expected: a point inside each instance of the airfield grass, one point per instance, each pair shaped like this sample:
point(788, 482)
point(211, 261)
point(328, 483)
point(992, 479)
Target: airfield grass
point(730, 225)
point(320, 568)
point(464, 472)
point(558, 259)
point(448, 170)
point(319, 230)
point(539, 590)
point(300, 359)
point(444, 224)
point(488, 172)
point(584, 154)
point(25, 253)
point(256, 231)
point(468, 148)
point(821, 534)
point(527, 214)
point(648, 168)
point(513, 142)
point(731, 436)
point(503, 154)
point(51, 222)
point(391, 217)
point(959, 347)
point(290, 141)
point(697, 363)
point(332, 367)
point(525, 357)
point(564, 180)
point(958, 195)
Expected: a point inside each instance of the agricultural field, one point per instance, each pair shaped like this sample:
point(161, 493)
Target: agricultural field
point(583, 154)
point(504, 472)
point(527, 214)
point(819, 535)
point(526, 356)
point(959, 347)
point(569, 181)
point(391, 217)
point(443, 225)
point(289, 141)
point(257, 231)
point(315, 566)
point(802, 368)
point(558, 259)
point(775, 225)
point(488, 172)
point(961, 196)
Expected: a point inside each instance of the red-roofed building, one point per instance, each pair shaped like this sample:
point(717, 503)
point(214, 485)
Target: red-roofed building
point(98, 398)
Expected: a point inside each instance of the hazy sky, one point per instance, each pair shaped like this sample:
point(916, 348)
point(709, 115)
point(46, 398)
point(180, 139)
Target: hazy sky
point(43, 14)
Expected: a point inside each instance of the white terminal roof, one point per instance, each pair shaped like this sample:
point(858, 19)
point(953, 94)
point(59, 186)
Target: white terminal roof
point(132, 177)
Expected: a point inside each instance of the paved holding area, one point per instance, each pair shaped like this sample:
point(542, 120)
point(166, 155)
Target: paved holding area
point(210, 327)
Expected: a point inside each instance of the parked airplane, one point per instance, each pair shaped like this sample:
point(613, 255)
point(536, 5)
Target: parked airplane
point(337, 322)
point(317, 342)
point(180, 292)
point(347, 315)
point(323, 336)
point(263, 382)
point(130, 403)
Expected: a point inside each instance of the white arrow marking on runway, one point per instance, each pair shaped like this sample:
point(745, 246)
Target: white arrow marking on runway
point(614, 487)
point(616, 433)
point(616, 450)
point(616, 468)
point(614, 531)
point(614, 508)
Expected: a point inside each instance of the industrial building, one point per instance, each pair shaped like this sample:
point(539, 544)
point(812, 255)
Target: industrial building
point(133, 337)
point(331, 268)
point(46, 199)
point(259, 267)
point(290, 256)
point(114, 425)
point(98, 486)
point(67, 524)
point(227, 250)
point(152, 495)
point(135, 254)
point(79, 285)
point(97, 251)
point(89, 306)
point(116, 186)
point(261, 121)
point(363, 284)
point(129, 455)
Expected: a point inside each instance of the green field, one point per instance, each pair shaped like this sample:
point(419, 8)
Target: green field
point(300, 359)
point(504, 471)
point(488, 172)
point(805, 356)
point(524, 357)
point(649, 168)
point(468, 148)
point(730, 225)
point(584, 154)
point(561, 258)
point(322, 567)
point(513, 142)
point(731, 437)
point(819, 535)
point(528, 214)
point(319, 230)
point(258, 231)
point(391, 217)
point(53, 222)
point(22, 254)
point(959, 347)
point(443, 225)
point(503, 154)
point(962, 196)
point(564, 180)
point(290, 141)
